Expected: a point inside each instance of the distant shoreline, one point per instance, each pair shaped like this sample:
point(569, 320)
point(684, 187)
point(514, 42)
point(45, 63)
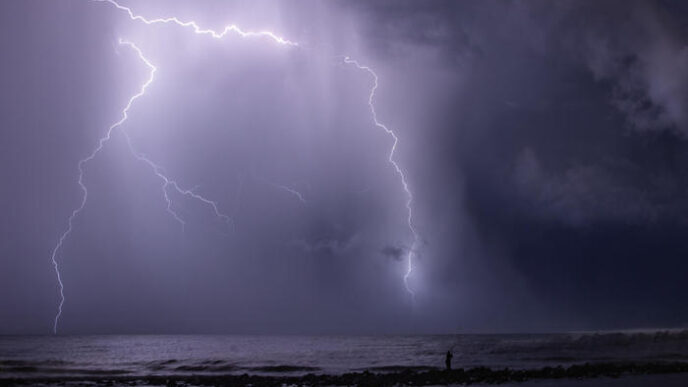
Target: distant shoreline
point(407, 376)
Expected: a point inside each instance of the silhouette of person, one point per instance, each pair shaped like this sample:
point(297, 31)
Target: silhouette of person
point(447, 360)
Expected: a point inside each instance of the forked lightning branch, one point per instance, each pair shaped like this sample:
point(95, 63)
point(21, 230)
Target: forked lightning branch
point(168, 184)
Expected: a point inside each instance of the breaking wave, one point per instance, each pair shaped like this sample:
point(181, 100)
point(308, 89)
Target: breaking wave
point(133, 356)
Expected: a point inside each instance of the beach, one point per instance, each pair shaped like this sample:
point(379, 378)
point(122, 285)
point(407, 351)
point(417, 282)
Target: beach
point(565, 359)
point(598, 376)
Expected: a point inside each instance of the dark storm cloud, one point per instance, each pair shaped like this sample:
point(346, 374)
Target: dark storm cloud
point(325, 247)
point(642, 53)
point(563, 144)
point(637, 55)
point(544, 143)
point(397, 28)
point(393, 252)
point(611, 190)
point(633, 56)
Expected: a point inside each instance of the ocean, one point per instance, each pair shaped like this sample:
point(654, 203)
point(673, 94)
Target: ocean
point(174, 355)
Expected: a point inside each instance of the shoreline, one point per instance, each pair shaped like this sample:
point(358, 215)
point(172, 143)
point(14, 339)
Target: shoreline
point(477, 375)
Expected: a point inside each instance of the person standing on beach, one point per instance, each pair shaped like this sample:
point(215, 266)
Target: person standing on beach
point(447, 360)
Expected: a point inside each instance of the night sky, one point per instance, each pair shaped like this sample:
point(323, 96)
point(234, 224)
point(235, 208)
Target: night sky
point(544, 144)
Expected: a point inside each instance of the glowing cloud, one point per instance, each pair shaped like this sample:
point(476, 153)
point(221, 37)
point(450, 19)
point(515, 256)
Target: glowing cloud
point(170, 184)
point(167, 182)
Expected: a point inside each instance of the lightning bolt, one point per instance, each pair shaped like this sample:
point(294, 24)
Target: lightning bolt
point(82, 186)
point(282, 187)
point(233, 28)
point(291, 191)
point(399, 171)
point(167, 182)
point(170, 184)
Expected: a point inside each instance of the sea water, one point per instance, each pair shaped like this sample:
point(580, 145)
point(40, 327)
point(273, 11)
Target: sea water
point(133, 355)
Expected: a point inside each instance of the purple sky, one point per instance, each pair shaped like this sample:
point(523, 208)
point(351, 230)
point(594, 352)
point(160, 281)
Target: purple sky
point(544, 144)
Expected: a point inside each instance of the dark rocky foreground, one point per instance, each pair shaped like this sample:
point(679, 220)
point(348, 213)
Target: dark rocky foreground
point(407, 377)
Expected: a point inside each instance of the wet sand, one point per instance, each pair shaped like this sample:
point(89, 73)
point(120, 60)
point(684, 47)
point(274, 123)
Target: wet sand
point(589, 374)
point(668, 380)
